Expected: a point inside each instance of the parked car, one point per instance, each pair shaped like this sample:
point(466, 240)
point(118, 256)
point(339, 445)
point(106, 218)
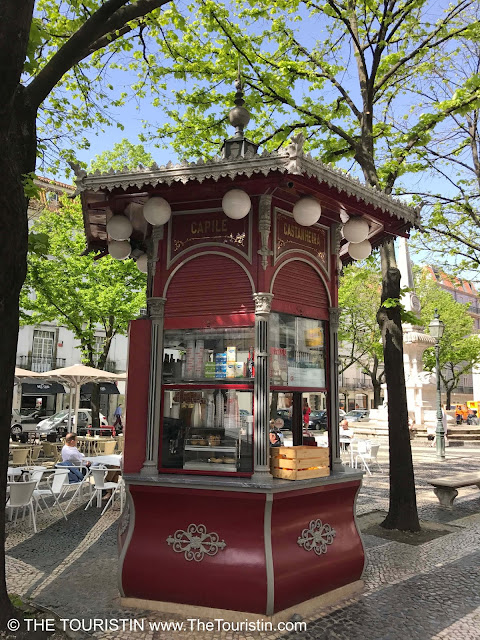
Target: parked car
point(357, 415)
point(318, 419)
point(58, 424)
point(24, 422)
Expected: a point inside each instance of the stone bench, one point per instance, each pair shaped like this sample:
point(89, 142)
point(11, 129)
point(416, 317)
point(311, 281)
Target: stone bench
point(446, 488)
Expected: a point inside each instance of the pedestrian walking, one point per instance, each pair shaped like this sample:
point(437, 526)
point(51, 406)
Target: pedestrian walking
point(118, 417)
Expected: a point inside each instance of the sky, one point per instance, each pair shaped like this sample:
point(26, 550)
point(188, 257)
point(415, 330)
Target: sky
point(133, 113)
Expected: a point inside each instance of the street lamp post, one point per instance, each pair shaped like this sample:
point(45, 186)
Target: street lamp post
point(436, 331)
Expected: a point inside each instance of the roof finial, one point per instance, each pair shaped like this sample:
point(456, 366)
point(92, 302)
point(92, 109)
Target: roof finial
point(239, 116)
point(238, 146)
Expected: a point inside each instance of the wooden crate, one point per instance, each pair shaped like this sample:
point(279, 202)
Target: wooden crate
point(299, 463)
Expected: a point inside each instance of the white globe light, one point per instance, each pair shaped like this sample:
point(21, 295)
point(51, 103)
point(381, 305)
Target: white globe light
point(157, 211)
point(142, 263)
point(236, 204)
point(119, 249)
point(356, 230)
point(360, 250)
point(307, 211)
point(119, 228)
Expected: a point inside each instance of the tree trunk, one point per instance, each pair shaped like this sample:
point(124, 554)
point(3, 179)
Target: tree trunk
point(95, 405)
point(448, 398)
point(18, 144)
point(402, 512)
point(377, 390)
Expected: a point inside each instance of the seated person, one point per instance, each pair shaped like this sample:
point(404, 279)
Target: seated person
point(345, 431)
point(74, 473)
point(70, 453)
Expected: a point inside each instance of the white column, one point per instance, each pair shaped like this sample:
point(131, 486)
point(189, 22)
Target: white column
point(261, 451)
point(155, 307)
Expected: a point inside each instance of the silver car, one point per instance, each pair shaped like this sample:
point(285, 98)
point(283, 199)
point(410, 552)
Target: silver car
point(58, 424)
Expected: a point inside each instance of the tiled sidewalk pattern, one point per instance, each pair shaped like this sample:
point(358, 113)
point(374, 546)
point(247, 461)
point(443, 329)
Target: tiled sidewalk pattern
point(425, 592)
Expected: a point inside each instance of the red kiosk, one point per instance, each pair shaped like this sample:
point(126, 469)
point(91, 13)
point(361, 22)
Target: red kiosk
point(241, 330)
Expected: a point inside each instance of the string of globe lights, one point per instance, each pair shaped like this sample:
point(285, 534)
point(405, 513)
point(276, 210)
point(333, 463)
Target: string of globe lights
point(236, 204)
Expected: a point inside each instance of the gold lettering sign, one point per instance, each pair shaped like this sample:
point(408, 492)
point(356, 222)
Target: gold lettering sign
point(212, 227)
point(292, 236)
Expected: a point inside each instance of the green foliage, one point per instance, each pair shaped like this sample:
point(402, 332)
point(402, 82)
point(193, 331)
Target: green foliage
point(406, 316)
point(359, 334)
point(343, 83)
point(78, 290)
point(124, 155)
point(459, 348)
point(101, 77)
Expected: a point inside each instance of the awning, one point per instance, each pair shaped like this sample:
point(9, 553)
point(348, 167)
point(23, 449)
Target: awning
point(42, 388)
point(108, 388)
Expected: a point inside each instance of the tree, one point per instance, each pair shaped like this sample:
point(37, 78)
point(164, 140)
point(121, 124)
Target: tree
point(78, 290)
point(359, 334)
point(451, 217)
point(459, 348)
point(54, 61)
point(123, 155)
point(346, 91)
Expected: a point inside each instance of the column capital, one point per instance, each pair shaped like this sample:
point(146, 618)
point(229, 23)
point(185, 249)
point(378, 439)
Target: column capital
point(334, 317)
point(263, 303)
point(156, 308)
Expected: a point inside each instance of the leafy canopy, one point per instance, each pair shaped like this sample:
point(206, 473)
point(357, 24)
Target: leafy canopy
point(79, 291)
point(359, 334)
point(459, 348)
point(343, 72)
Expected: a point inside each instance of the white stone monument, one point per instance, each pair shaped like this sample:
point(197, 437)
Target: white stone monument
point(420, 384)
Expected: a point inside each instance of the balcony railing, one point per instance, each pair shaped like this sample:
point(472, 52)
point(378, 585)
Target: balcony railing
point(355, 383)
point(40, 365)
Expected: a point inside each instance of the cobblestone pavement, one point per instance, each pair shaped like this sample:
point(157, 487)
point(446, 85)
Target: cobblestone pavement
point(425, 592)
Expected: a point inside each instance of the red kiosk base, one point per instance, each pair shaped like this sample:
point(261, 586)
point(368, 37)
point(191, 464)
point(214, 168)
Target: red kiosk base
point(240, 545)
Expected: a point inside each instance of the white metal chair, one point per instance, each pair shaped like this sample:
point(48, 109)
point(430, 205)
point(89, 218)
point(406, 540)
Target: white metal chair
point(121, 489)
point(21, 495)
point(79, 486)
point(367, 453)
point(98, 474)
point(37, 476)
point(56, 487)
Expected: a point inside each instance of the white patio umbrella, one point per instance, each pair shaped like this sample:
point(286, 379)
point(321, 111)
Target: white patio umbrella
point(19, 375)
point(74, 377)
point(25, 373)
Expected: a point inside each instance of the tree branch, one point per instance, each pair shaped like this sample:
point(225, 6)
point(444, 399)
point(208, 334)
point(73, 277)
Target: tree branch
point(109, 17)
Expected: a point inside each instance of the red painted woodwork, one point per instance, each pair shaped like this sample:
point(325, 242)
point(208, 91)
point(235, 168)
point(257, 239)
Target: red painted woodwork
point(136, 410)
point(237, 577)
point(232, 579)
point(300, 574)
point(298, 289)
point(208, 285)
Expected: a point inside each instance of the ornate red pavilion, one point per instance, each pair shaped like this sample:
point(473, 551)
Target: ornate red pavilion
point(243, 254)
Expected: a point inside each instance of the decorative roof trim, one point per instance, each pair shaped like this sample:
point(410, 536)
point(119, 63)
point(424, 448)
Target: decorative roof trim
point(290, 160)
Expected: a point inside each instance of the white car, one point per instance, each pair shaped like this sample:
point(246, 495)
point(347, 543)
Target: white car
point(58, 423)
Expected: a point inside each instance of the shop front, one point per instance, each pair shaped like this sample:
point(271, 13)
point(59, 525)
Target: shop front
point(240, 339)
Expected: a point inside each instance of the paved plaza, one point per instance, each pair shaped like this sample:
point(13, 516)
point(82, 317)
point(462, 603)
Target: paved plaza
point(429, 591)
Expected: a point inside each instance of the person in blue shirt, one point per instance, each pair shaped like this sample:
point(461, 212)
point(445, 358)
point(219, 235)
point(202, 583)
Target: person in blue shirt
point(118, 417)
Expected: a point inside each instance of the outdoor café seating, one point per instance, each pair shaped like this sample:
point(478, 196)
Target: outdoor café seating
point(20, 496)
point(20, 456)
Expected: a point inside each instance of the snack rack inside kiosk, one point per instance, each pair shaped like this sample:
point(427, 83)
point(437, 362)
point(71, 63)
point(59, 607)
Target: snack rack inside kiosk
point(239, 343)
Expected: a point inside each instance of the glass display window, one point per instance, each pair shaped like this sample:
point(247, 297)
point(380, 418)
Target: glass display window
point(297, 351)
point(208, 430)
point(223, 356)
